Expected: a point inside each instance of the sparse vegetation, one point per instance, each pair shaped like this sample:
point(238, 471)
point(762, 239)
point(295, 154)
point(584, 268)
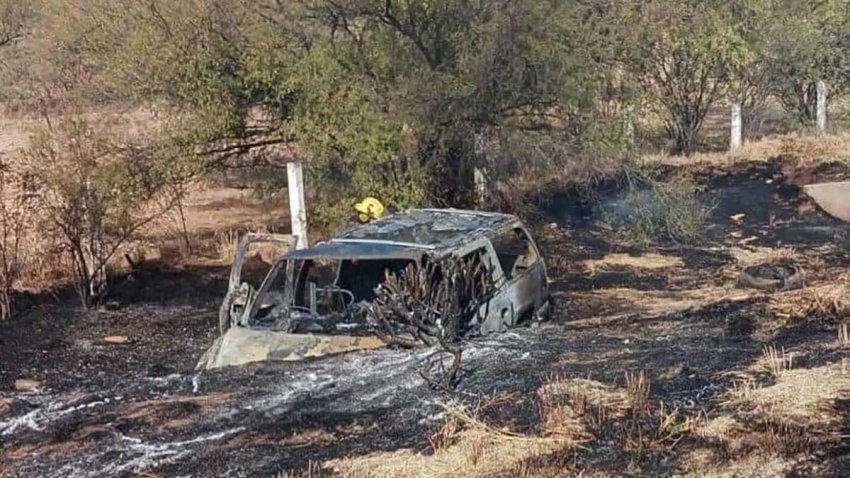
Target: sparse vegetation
point(637, 384)
point(777, 361)
point(666, 211)
point(844, 334)
point(15, 201)
point(313, 470)
point(95, 196)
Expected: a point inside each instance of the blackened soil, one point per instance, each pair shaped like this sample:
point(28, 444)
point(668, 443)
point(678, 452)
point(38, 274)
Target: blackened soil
point(167, 317)
point(122, 410)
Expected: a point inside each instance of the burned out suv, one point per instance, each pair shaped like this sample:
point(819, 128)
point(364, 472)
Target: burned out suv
point(313, 301)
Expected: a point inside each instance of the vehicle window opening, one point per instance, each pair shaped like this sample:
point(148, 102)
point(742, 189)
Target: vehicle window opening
point(340, 283)
point(320, 275)
point(362, 277)
point(478, 288)
point(515, 252)
point(275, 298)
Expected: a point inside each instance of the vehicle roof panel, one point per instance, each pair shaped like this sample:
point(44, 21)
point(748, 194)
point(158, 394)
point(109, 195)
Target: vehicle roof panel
point(361, 251)
point(436, 228)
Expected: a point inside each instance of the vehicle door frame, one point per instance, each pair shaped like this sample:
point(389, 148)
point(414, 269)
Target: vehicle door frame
point(511, 285)
point(234, 283)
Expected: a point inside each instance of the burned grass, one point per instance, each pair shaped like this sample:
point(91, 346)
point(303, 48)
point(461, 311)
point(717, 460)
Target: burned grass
point(653, 366)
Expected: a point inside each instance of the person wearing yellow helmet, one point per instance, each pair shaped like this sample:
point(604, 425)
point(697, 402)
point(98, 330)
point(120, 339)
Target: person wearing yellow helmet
point(369, 209)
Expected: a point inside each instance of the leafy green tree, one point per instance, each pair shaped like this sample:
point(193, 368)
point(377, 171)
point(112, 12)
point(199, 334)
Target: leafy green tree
point(382, 97)
point(805, 42)
point(684, 54)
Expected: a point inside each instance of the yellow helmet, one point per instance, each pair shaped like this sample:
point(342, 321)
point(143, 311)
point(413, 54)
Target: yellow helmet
point(369, 208)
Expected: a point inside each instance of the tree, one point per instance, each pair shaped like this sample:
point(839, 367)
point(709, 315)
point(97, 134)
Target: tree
point(14, 15)
point(805, 42)
point(96, 194)
point(15, 201)
point(685, 51)
point(381, 97)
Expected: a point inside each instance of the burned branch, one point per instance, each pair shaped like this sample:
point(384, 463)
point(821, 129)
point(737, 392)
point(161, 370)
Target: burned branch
point(15, 201)
point(437, 303)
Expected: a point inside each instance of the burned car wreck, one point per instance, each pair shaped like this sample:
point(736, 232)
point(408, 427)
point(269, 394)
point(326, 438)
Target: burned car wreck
point(334, 297)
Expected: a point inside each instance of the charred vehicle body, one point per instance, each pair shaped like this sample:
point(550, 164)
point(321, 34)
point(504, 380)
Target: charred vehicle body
point(318, 300)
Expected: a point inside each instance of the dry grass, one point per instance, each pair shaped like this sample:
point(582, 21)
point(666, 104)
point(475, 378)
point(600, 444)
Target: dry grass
point(799, 395)
point(760, 431)
point(567, 408)
point(777, 361)
point(807, 149)
point(479, 449)
point(650, 303)
point(754, 256)
point(445, 435)
point(741, 389)
point(150, 474)
point(5, 405)
point(829, 301)
point(649, 261)
point(637, 386)
point(586, 397)
point(313, 470)
point(812, 150)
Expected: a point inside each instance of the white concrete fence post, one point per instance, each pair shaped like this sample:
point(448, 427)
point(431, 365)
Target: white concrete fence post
point(629, 129)
point(822, 103)
point(297, 203)
point(480, 173)
point(736, 139)
point(480, 185)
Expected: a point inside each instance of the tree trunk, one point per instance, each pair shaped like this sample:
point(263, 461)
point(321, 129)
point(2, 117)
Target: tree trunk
point(5, 303)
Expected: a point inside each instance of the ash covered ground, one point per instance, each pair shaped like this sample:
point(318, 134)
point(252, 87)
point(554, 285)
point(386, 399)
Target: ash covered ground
point(123, 409)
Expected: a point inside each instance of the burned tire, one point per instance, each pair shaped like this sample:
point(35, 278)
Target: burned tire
point(772, 277)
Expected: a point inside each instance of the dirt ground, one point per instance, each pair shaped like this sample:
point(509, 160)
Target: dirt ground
point(655, 364)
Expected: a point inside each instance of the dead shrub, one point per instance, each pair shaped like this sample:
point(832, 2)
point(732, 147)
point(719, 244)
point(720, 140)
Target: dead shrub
point(313, 470)
point(637, 385)
point(781, 437)
point(445, 435)
point(434, 304)
point(15, 202)
point(96, 195)
point(776, 360)
point(844, 334)
point(665, 211)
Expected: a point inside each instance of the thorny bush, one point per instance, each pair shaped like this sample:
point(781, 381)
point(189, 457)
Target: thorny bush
point(666, 211)
point(15, 201)
point(434, 304)
point(95, 195)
